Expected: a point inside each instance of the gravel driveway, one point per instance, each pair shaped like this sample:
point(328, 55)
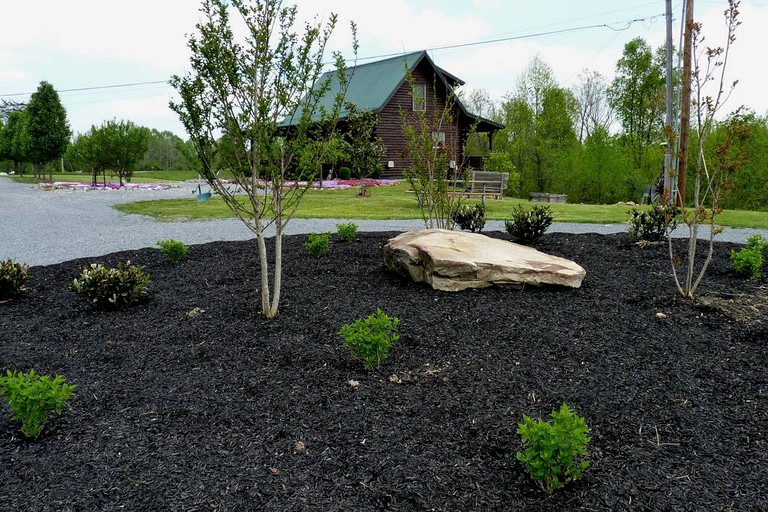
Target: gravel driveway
point(40, 227)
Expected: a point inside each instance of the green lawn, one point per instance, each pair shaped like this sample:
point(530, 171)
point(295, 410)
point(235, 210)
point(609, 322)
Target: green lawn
point(394, 202)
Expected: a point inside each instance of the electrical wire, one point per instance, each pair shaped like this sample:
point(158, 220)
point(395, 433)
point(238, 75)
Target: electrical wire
point(627, 23)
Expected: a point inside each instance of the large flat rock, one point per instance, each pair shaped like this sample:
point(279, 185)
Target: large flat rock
point(457, 260)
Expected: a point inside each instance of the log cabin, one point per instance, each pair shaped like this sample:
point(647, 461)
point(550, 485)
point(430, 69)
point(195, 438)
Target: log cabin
point(410, 83)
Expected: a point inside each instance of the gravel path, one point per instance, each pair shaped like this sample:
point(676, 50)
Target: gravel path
point(44, 227)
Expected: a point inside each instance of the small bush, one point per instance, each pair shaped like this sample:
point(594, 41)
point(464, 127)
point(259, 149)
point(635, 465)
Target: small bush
point(527, 225)
point(345, 173)
point(317, 243)
point(470, 217)
point(371, 338)
point(748, 261)
point(651, 225)
point(174, 250)
point(13, 277)
point(347, 232)
point(32, 397)
point(111, 288)
point(757, 243)
point(554, 452)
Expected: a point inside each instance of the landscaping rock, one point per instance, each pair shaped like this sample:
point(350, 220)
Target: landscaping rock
point(456, 260)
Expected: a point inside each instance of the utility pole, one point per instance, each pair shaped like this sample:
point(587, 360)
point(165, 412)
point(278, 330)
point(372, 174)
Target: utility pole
point(685, 101)
point(669, 182)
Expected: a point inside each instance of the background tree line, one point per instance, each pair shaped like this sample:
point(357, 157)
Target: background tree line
point(598, 142)
point(35, 137)
point(601, 142)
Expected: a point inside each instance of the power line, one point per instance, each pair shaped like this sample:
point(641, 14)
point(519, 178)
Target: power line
point(627, 24)
point(98, 87)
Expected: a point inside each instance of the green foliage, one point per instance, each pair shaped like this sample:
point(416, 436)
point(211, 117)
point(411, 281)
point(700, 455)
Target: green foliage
point(637, 96)
point(345, 173)
point(371, 338)
point(13, 277)
point(163, 152)
point(757, 243)
point(527, 225)
point(14, 140)
point(363, 148)
point(47, 125)
point(541, 139)
point(174, 250)
point(111, 288)
point(554, 452)
point(430, 147)
point(748, 261)
point(31, 397)
point(243, 90)
point(470, 217)
point(651, 225)
point(347, 231)
point(499, 161)
point(117, 146)
point(317, 244)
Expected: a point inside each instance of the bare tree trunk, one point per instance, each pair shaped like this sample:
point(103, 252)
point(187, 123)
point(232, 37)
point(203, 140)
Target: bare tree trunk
point(263, 269)
point(685, 104)
point(276, 286)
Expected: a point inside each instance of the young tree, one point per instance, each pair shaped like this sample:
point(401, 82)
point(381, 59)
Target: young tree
point(47, 127)
point(429, 175)
point(362, 148)
point(115, 145)
point(84, 153)
point(120, 145)
point(710, 182)
point(266, 93)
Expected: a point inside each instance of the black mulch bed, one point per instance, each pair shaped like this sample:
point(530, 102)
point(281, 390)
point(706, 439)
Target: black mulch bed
point(178, 411)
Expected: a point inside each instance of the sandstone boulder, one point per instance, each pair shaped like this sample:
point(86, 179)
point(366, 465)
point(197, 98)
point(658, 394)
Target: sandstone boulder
point(456, 260)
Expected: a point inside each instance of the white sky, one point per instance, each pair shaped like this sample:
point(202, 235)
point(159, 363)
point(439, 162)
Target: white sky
point(81, 44)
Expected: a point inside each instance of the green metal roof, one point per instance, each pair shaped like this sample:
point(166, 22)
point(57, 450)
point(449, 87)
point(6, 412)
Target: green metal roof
point(372, 85)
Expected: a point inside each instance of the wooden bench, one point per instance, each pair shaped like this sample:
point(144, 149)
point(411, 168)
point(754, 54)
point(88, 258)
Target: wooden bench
point(484, 184)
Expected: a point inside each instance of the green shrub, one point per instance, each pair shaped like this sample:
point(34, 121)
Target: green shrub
point(371, 338)
point(527, 225)
point(554, 452)
point(174, 250)
point(470, 217)
point(111, 288)
point(748, 261)
point(345, 173)
point(347, 231)
point(32, 397)
point(757, 243)
point(13, 277)
point(317, 243)
point(651, 225)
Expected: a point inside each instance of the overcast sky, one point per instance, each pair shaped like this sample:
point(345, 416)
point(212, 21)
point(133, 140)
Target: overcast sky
point(111, 59)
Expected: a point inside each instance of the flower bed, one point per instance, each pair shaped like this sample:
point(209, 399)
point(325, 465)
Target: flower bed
point(78, 185)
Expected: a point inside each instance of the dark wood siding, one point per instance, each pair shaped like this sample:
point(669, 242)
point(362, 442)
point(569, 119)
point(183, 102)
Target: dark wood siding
point(390, 125)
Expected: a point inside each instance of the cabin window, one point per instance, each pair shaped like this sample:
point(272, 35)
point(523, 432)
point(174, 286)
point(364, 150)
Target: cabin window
point(438, 138)
point(419, 98)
